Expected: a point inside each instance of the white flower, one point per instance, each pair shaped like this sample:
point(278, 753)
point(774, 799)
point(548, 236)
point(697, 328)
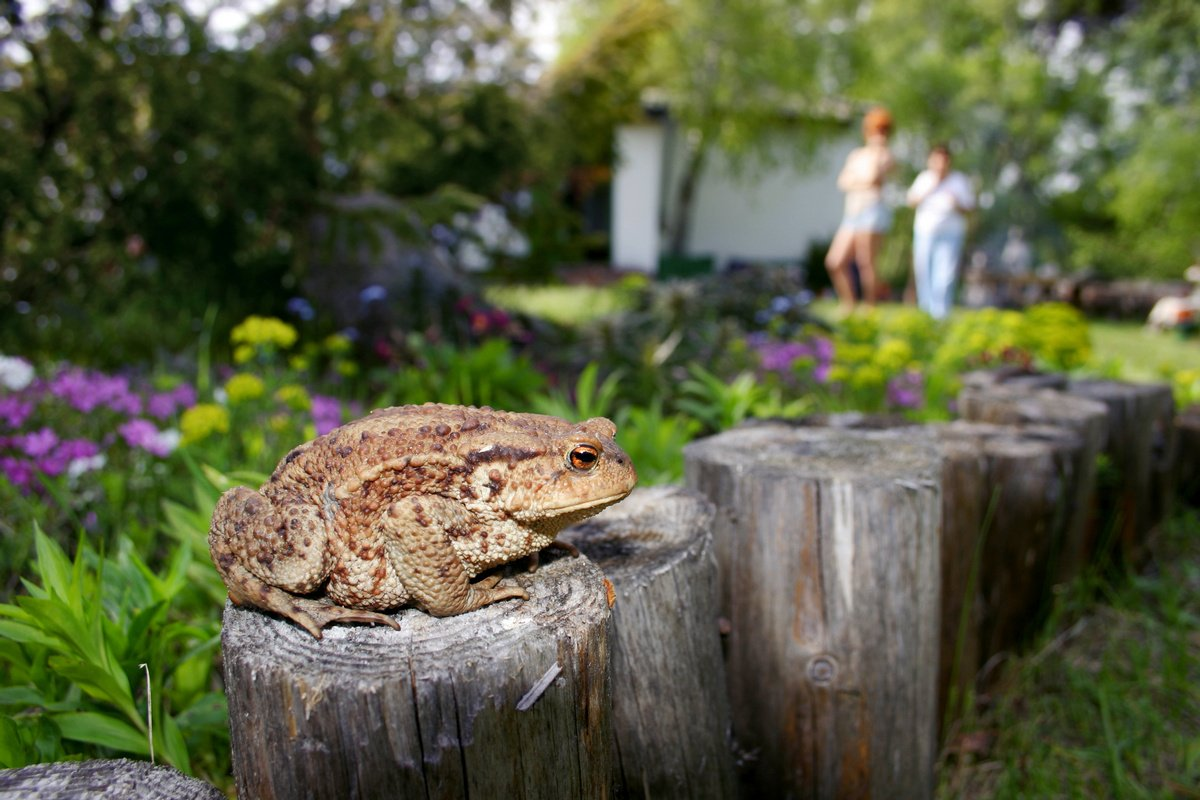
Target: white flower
point(78, 466)
point(169, 439)
point(15, 373)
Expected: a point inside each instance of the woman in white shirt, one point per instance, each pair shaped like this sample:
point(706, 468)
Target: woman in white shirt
point(942, 198)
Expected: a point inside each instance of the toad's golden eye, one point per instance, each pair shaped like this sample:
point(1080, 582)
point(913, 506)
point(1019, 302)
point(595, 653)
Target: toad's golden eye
point(583, 457)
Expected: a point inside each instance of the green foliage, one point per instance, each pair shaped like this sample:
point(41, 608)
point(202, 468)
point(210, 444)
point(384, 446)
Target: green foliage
point(489, 374)
point(1105, 706)
point(719, 404)
point(72, 654)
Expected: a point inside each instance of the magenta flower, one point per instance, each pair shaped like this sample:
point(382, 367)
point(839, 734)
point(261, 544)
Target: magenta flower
point(14, 411)
point(38, 444)
point(161, 405)
point(906, 390)
point(327, 413)
point(143, 434)
point(17, 471)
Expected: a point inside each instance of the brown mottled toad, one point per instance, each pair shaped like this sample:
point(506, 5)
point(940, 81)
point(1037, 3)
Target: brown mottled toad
point(406, 506)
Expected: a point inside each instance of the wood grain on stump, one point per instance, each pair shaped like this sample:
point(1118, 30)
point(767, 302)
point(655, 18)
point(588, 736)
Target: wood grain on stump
point(1141, 447)
point(1089, 420)
point(827, 544)
point(1187, 428)
point(511, 700)
point(1007, 497)
point(670, 711)
point(104, 779)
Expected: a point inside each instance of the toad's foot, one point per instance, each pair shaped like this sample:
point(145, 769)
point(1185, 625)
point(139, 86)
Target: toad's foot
point(313, 615)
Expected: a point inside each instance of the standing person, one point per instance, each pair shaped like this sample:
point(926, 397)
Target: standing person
point(867, 217)
point(942, 198)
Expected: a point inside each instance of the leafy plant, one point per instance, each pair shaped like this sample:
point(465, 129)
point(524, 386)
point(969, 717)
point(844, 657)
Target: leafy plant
point(76, 650)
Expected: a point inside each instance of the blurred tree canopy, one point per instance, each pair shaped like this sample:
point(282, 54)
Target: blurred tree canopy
point(153, 169)
point(156, 166)
point(1075, 116)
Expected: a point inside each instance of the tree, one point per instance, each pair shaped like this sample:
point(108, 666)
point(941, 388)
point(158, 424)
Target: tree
point(730, 72)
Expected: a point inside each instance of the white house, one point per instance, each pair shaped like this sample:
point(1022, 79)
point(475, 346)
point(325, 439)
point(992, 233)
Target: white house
point(765, 214)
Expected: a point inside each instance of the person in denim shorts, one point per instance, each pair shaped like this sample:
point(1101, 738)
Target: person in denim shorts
point(867, 216)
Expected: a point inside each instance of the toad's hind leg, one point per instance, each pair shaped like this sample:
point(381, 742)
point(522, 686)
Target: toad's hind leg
point(426, 563)
point(263, 559)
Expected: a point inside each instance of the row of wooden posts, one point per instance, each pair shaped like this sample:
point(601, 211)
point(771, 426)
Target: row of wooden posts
point(796, 622)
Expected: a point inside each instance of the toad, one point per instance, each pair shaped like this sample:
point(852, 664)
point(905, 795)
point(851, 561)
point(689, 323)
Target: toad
point(406, 506)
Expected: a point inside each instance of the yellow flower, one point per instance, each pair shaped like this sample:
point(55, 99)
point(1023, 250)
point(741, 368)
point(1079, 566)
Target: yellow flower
point(294, 396)
point(242, 353)
point(279, 423)
point(259, 331)
point(337, 343)
point(243, 387)
point(893, 355)
point(201, 421)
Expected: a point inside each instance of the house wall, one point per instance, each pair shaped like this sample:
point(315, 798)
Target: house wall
point(772, 213)
point(637, 197)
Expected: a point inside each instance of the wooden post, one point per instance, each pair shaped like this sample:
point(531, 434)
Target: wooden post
point(827, 546)
point(1187, 427)
point(670, 711)
point(511, 700)
point(103, 778)
point(1088, 419)
point(1141, 446)
point(1006, 511)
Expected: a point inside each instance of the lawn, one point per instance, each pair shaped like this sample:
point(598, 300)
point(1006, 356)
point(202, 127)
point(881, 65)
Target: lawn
point(1142, 353)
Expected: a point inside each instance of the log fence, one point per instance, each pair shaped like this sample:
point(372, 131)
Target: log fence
point(798, 622)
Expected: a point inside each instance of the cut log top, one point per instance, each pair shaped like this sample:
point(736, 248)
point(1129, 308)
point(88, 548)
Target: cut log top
point(108, 779)
point(863, 456)
point(1008, 440)
point(563, 594)
point(645, 535)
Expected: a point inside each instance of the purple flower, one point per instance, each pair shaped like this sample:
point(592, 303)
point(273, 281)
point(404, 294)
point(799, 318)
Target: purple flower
point(823, 349)
point(327, 413)
point(38, 444)
point(780, 356)
point(906, 390)
point(17, 471)
point(14, 411)
point(143, 434)
point(161, 405)
point(86, 391)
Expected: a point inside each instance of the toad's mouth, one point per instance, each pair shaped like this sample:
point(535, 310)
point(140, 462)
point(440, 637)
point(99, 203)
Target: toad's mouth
point(569, 509)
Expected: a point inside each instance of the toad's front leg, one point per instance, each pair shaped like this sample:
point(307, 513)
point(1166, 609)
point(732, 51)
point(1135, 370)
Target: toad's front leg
point(419, 549)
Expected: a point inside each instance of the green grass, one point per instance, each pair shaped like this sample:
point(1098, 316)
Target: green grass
point(1140, 353)
point(1109, 704)
point(565, 305)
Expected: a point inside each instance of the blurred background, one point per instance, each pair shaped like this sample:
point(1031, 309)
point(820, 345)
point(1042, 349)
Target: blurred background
point(168, 162)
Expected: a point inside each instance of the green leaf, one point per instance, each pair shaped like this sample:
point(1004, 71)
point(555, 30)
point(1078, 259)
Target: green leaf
point(52, 564)
point(26, 634)
point(21, 696)
point(103, 730)
point(174, 748)
point(12, 749)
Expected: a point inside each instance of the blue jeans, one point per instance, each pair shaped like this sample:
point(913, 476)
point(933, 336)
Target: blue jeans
point(935, 266)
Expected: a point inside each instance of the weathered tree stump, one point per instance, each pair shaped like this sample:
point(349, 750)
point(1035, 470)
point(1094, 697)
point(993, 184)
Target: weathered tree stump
point(1088, 419)
point(1187, 427)
point(1013, 376)
point(1141, 447)
point(827, 546)
point(1007, 492)
point(512, 700)
point(670, 711)
point(104, 779)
